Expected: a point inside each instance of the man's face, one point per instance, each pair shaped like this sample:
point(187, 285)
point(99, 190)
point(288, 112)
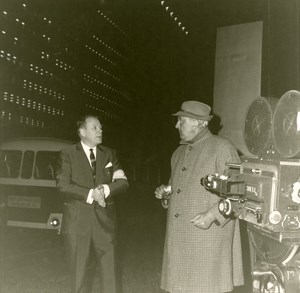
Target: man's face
point(187, 127)
point(91, 132)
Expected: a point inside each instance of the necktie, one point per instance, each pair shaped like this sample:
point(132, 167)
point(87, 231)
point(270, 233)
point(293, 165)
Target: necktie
point(93, 161)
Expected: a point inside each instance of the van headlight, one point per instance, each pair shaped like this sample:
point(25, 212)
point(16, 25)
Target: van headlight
point(54, 221)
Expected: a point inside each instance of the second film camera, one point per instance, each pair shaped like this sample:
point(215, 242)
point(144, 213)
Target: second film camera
point(264, 191)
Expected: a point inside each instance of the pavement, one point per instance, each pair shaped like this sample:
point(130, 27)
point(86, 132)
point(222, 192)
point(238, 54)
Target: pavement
point(33, 261)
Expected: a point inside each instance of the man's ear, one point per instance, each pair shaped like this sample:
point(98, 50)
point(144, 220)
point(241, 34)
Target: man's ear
point(202, 123)
point(195, 123)
point(81, 132)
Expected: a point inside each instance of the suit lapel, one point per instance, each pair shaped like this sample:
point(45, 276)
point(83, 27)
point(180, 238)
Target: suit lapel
point(100, 158)
point(82, 157)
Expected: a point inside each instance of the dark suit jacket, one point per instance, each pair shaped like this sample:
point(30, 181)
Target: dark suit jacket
point(75, 179)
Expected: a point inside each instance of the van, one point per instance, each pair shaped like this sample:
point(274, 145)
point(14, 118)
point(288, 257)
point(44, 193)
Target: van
point(28, 194)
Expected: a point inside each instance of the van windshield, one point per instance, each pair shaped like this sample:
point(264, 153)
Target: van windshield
point(10, 163)
point(45, 165)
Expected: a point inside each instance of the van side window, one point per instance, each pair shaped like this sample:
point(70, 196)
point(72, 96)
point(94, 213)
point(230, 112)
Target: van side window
point(10, 162)
point(27, 165)
point(45, 165)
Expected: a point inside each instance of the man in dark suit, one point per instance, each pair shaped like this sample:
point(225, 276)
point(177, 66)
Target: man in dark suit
point(90, 176)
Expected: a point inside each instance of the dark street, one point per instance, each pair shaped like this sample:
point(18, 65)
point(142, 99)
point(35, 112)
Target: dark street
point(33, 260)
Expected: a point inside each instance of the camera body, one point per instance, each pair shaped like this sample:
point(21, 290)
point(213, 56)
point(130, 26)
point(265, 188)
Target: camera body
point(264, 193)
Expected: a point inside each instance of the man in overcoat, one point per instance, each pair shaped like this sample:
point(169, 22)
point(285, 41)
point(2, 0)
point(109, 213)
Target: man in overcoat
point(202, 252)
point(89, 177)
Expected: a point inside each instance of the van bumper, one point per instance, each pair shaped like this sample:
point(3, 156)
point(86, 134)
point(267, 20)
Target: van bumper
point(53, 223)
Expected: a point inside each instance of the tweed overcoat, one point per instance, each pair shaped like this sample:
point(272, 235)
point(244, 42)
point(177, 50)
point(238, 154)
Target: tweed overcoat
point(197, 260)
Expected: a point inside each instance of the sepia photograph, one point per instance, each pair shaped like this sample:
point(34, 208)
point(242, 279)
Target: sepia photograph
point(150, 146)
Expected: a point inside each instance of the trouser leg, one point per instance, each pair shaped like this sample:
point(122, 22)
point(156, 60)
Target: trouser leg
point(108, 270)
point(105, 254)
point(77, 251)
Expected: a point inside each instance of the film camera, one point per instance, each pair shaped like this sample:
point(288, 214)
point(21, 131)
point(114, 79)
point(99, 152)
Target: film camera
point(264, 191)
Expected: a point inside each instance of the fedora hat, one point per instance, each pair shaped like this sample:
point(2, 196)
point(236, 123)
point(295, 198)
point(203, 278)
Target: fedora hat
point(196, 110)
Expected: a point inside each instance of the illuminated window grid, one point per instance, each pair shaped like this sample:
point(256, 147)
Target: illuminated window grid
point(8, 36)
point(105, 113)
point(46, 37)
point(108, 20)
point(47, 21)
point(5, 115)
point(20, 21)
point(12, 32)
point(31, 86)
point(107, 46)
point(92, 80)
point(31, 104)
point(98, 97)
point(63, 65)
point(31, 121)
point(59, 63)
point(14, 36)
point(40, 71)
point(34, 68)
point(45, 56)
point(8, 56)
point(50, 30)
point(107, 73)
point(100, 55)
point(12, 19)
point(8, 116)
point(17, 26)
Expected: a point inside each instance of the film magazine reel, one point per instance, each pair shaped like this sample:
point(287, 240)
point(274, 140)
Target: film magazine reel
point(272, 126)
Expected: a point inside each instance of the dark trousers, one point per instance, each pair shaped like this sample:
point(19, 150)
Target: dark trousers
point(78, 251)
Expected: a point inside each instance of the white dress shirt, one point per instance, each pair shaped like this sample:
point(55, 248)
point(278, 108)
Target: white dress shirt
point(87, 152)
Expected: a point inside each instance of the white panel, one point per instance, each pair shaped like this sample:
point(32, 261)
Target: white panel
point(237, 77)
